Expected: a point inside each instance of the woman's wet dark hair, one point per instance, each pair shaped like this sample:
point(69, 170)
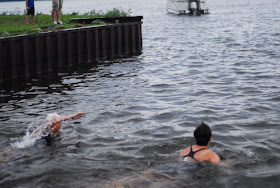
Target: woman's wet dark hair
point(202, 134)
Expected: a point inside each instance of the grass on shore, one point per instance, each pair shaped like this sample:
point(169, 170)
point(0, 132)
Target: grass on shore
point(14, 24)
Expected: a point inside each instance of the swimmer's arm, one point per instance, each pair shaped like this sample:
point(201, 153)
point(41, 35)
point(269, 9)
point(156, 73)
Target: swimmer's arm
point(74, 116)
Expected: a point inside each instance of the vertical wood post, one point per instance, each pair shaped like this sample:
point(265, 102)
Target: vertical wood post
point(126, 33)
point(26, 58)
point(38, 56)
point(59, 50)
point(113, 40)
point(139, 39)
point(104, 39)
point(54, 52)
point(96, 44)
point(13, 54)
point(89, 46)
point(49, 53)
point(119, 49)
point(133, 35)
point(1, 63)
point(140, 35)
point(79, 47)
point(70, 49)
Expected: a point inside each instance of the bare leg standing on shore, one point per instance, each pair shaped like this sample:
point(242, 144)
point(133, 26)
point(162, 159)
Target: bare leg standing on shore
point(30, 10)
point(53, 15)
point(33, 20)
point(56, 11)
point(27, 18)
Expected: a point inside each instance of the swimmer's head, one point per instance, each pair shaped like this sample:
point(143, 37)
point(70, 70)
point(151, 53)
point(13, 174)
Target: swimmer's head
point(52, 117)
point(202, 134)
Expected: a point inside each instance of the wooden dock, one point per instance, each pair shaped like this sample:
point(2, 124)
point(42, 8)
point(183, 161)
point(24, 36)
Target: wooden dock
point(27, 55)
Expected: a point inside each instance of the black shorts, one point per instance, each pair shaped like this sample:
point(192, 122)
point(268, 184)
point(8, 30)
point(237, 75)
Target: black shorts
point(30, 11)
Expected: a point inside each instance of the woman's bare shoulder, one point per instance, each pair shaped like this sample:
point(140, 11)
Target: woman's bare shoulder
point(186, 151)
point(213, 157)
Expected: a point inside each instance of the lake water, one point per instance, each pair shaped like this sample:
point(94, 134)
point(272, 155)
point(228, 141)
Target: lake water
point(222, 68)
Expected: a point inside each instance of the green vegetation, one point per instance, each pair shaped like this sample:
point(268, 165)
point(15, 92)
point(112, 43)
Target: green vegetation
point(12, 24)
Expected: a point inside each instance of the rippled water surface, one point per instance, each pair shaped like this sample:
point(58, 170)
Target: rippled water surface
point(221, 68)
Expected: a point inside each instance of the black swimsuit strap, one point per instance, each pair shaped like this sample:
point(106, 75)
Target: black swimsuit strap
point(192, 153)
point(200, 149)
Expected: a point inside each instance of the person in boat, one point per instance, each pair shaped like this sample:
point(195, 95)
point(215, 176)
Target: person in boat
point(53, 126)
point(200, 151)
point(197, 4)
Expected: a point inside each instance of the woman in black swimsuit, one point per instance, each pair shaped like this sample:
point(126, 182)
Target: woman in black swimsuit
point(200, 151)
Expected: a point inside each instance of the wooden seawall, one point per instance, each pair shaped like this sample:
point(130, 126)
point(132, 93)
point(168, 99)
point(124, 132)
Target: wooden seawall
point(27, 55)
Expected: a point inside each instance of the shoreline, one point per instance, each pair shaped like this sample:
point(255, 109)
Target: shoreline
point(14, 25)
point(26, 56)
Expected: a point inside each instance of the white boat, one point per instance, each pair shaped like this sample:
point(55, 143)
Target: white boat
point(187, 6)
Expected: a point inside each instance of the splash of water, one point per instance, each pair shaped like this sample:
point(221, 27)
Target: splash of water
point(35, 132)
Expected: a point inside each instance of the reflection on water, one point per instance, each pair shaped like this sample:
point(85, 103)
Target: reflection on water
point(219, 68)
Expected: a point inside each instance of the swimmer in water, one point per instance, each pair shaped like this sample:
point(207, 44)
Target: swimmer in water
point(51, 130)
point(200, 151)
point(53, 126)
point(155, 178)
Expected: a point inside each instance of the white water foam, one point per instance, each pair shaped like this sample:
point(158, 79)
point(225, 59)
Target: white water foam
point(34, 132)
